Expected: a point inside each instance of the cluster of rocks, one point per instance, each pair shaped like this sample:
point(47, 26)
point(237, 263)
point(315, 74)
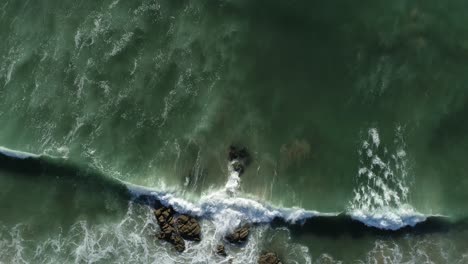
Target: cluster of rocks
point(175, 229)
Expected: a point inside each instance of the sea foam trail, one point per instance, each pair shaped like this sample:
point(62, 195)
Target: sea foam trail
point(225, 207)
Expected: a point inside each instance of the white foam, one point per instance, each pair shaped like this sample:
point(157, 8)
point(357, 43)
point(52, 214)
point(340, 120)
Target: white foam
point(130, 240)
point(120, 44)
point(389, 218)
point(381, 198)
point(374, 133)
point(233, 182)
point(225, 208)
point(231, 211)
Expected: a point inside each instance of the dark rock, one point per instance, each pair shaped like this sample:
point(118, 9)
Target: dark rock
point(166, 231)
point(169, 233)
point(165, 219)
point(269, 258)
point(220, 250)
point(188, 227)
point(239, 235)
point(164, 215)
point(240, 154)
point(233, 153)
point(174, 238)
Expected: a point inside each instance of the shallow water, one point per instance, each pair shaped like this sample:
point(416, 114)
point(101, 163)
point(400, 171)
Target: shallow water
point(353, 108)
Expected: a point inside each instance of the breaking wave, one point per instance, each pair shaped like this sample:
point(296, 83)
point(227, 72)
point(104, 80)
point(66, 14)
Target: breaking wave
point(226, 207)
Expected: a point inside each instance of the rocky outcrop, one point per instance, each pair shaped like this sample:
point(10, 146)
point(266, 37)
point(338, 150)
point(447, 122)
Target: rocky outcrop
point(221, 250)
point(239, 158)
point(269, 258)
point(239, 235)
point(188, 227)
point(165, 219)
point(175, 230)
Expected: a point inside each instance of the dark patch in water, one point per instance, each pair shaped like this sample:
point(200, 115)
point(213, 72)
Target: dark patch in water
point(336, 226)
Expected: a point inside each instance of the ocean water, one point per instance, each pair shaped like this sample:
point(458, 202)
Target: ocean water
point(353, 114)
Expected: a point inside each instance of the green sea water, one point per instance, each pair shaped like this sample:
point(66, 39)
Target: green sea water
point(344, 106)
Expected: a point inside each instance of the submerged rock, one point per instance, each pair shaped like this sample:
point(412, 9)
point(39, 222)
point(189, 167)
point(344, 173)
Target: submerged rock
point(239, 157)
point(238, 153)
point(269, 258)
point(294, 153)
point(220, 250)
point(239, 235)
point(188, 227)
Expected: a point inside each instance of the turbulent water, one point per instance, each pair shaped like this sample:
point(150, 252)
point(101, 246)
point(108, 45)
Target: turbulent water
point(353, 114)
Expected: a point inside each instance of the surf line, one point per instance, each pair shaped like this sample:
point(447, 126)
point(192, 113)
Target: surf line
point(228, 207)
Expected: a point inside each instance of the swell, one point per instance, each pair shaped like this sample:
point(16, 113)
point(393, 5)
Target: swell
point(45, 191)
point(218, 206)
